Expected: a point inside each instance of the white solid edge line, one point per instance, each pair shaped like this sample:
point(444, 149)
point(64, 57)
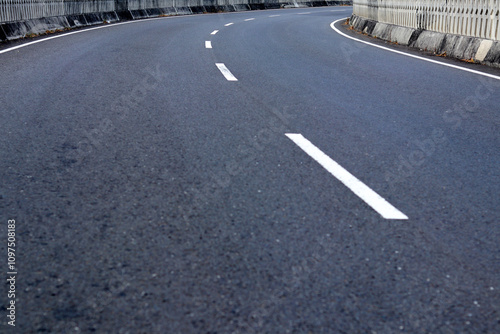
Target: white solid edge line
point(82, 31)
point(225, 71)
point(228, 24)
point(214, 32)
point(332, 25)
point(208, 44)
point(370, 197)
point(63, 35)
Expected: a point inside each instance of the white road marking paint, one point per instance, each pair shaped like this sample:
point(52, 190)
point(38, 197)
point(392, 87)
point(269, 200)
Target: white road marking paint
point(273, 15)
point(214, 32)
point(84, 30)
point(332, 25)
point(251, 19)
point(379, 204)
point(59, 36)
point(208, 44)
point(228, 24)
point(224, 70)
point(303, 13)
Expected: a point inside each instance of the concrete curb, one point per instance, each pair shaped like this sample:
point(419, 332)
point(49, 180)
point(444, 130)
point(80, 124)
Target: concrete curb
point(466, 48)
point(30, 28)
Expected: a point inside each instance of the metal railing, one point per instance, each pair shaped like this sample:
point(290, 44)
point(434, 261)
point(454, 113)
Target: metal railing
point(476, 18)
point(19, 10)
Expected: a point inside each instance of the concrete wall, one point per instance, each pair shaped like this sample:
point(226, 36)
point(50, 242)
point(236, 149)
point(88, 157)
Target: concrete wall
point(21, 18)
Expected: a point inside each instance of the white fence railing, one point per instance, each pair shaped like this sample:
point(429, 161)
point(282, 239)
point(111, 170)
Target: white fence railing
point(477, 18)
point(18, 10)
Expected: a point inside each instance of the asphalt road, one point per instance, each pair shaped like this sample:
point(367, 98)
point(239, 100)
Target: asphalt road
point(153, 195)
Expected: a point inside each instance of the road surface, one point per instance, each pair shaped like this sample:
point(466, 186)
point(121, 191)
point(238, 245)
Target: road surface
point(251, 172)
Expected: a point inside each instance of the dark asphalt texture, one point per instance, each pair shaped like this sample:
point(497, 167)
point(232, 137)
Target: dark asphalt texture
point(151, 195)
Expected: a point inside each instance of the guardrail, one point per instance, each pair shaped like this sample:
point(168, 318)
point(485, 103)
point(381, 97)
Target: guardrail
point(475, 18)
point(19, 10)
point(23, 10)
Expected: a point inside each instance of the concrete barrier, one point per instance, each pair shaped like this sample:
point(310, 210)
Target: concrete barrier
point(474, 18)
point(463, 29)
point(27, 18)
point(467, 48)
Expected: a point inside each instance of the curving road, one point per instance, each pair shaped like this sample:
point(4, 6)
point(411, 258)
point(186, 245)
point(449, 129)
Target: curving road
point(252, 172)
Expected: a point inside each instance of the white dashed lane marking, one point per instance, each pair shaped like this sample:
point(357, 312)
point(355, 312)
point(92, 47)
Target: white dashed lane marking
point(225, 71)
point(379, 204)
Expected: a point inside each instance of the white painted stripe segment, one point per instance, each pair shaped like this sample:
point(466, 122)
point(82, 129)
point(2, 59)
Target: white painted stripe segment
point(332, 25)
point(379, 204)
point(228, 24)
point(303, 13)
point(63, 35)
point(81, 31)
point(214, 32)
point(227, 74)
point(253, 18)
point(273, 15)
point(208, 44)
